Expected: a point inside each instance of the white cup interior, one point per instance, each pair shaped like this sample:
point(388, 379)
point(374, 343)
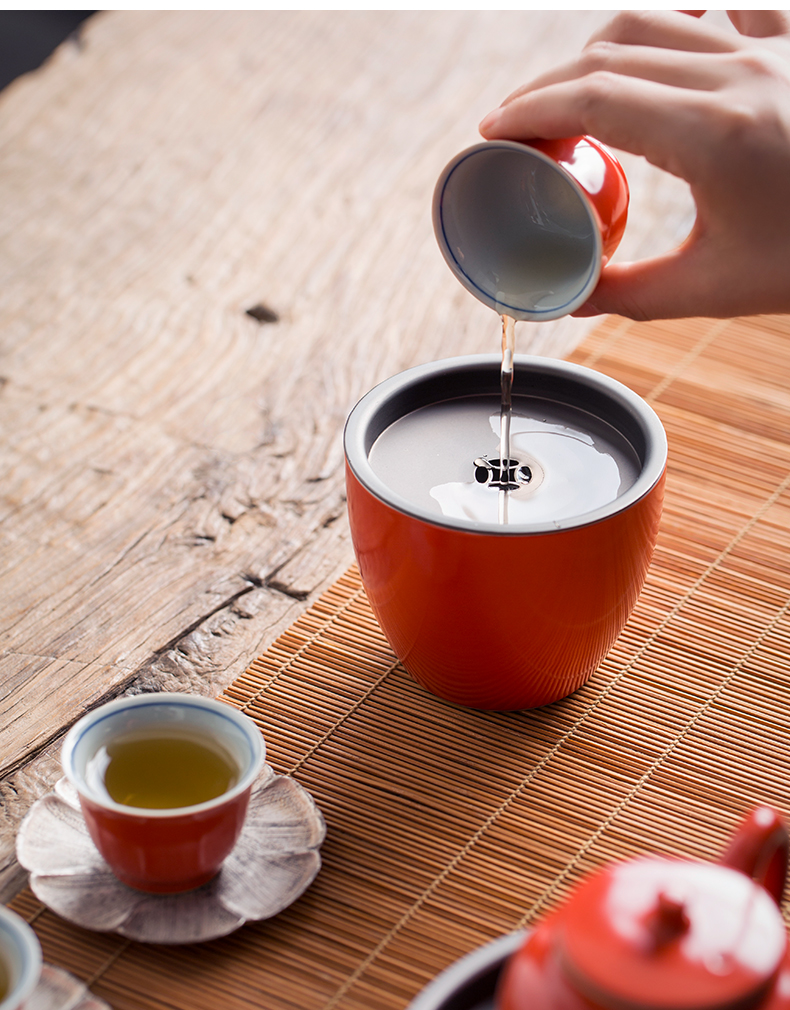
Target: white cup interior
point(517, 230)
point(199, 717)
point(21, 955)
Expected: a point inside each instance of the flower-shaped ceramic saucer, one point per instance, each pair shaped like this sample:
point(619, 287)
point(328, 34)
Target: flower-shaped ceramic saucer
point(275, 860)
point(58, 990)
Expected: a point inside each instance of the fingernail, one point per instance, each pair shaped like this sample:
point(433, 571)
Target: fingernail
point(490, 120)
point(588, 309)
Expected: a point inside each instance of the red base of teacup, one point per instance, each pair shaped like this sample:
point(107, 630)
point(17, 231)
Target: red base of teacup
point(166, 855)
point(179, 887)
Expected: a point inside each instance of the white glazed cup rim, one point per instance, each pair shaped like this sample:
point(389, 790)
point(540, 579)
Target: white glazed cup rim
point(236, 721)
point(516, 311)
point(534, 375)
point(26, 957)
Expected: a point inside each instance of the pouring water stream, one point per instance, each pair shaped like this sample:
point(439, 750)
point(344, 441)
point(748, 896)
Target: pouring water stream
point(506, 382)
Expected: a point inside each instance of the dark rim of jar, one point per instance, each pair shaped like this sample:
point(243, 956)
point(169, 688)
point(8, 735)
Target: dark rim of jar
point(546, 378)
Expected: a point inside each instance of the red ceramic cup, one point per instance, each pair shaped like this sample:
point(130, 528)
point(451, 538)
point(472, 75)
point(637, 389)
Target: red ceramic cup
point(527, 228)
point(168, 850)
point(483, 614)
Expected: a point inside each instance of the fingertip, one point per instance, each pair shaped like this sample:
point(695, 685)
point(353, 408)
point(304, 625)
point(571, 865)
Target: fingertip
point(490, 121)
point(760, 24)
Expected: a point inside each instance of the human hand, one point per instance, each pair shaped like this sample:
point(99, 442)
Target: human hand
point(708, 106)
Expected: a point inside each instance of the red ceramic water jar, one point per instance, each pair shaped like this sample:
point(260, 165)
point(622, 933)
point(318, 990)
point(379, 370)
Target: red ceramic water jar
point(503, 616)
point(164, 851)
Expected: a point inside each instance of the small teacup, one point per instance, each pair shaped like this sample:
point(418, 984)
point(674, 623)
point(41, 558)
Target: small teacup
point(174, 848)
point(527, 228)
point(20, 960)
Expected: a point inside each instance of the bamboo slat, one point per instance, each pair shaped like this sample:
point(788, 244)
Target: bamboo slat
point(447, 827)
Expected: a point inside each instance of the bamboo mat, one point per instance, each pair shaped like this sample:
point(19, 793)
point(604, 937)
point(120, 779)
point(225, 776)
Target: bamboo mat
point(449, 827)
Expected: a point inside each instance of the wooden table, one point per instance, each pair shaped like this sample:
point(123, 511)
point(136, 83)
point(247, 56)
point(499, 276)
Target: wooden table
point(448, 827)
point(216, 237)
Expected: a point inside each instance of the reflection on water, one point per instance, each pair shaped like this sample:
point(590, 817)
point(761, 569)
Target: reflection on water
point(577, 462)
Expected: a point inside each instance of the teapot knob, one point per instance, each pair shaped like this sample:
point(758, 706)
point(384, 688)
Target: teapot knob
point(666, 922)
point(759, 848)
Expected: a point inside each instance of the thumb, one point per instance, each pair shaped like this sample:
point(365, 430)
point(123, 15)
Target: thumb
point(674, 285)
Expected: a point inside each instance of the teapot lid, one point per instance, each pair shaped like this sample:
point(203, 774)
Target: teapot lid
point(665, 933)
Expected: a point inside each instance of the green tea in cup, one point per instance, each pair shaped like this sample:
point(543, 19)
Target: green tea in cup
point(163, 771)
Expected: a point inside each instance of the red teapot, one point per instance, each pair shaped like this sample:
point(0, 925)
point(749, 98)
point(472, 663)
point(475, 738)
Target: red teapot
point(666, 934)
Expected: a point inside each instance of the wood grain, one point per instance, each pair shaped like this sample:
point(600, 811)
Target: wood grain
point(172, 494)
point(448, 827)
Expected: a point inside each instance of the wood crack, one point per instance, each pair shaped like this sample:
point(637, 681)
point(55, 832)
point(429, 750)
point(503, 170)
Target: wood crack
point(281, 587)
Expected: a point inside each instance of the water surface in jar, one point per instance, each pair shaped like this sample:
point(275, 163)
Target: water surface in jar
point(577, 462)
